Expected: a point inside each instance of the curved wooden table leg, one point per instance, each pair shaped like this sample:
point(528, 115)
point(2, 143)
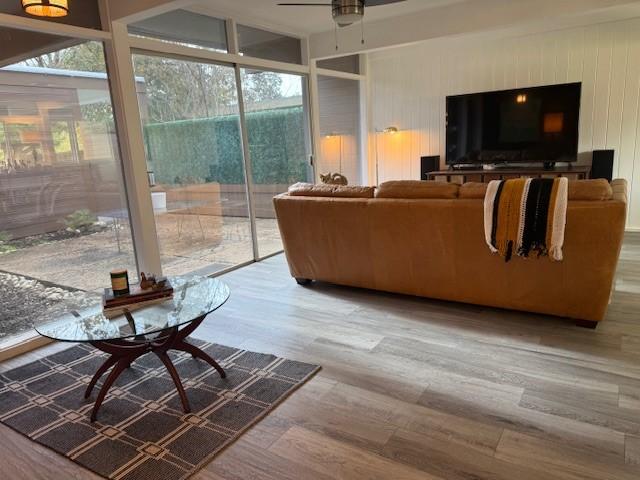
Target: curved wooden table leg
point(198, 353)
point(124, 352)
point(162, 355)
point(115, 373)
point(109, 362)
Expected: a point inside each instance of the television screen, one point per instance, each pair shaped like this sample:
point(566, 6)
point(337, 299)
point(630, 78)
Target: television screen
point(538, 124)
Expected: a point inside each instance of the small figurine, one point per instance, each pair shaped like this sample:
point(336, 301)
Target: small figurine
point(160, 283)
point(147, 281)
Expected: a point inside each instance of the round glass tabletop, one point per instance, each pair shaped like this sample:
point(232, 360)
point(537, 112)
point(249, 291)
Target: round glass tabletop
point(193, 298)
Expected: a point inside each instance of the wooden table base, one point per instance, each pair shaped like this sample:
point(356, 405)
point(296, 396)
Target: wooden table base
point(125, 352)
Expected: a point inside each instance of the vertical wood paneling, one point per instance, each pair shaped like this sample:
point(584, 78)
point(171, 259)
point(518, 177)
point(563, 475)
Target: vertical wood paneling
point(589, 65)
point(576, 54)
point(602, 86)
point(616, 92)
point(523, 62)
point(550, 72)
point(562, 57)
point(628, 136)
point(511, 64)
point(434, 109)
point(409, 86)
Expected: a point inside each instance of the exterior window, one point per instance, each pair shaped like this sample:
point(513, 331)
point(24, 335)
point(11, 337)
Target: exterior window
point(257, 43)
point(184, 28)
point(63, 217)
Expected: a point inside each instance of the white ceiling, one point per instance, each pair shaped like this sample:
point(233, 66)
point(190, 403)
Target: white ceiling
point(304, 20)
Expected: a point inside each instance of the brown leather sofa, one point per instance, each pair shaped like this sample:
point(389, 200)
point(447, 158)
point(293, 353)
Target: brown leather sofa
point(426, 239)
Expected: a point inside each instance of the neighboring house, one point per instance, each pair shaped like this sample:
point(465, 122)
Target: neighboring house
point(57, 147)
point(46, 115)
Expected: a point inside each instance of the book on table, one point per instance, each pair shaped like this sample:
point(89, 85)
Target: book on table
point(112, 312)
point(136, 299)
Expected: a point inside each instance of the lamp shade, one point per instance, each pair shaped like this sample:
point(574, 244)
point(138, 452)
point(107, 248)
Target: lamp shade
point(46, 8)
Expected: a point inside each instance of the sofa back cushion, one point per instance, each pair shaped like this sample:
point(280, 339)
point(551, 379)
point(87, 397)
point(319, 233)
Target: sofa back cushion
point(417, 189)
point(473, 190)
point(324, 190)
point(596, 189)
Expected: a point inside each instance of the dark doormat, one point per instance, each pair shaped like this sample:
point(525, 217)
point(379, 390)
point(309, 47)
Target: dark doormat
point(142, 431)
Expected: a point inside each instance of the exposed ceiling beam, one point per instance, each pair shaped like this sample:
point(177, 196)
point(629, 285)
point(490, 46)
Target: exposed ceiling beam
point(468, 17)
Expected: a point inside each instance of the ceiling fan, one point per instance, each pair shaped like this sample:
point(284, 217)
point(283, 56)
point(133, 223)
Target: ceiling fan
point(345, 12)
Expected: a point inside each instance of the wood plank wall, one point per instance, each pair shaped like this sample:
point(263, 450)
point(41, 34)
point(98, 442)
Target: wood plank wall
point(409, 85)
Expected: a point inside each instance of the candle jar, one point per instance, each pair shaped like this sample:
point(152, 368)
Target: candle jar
point(120, 282)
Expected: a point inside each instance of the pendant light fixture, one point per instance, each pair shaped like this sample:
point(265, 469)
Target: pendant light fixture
point(46, 8)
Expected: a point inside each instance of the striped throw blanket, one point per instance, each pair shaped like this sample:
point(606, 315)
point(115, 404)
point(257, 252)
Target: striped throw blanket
point(526, 215)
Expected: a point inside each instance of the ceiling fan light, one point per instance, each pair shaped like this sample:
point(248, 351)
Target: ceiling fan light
point(346, 20)
point(347, 12)
point(46, 8)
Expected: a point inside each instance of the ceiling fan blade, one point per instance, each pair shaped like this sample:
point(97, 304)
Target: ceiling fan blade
point(376, 3)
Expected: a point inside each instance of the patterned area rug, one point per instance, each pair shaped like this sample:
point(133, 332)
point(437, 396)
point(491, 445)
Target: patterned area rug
point(141, 431)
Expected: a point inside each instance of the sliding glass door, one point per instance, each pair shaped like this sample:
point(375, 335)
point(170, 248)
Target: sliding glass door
point(194, 153)
point(196, 161)
point(277, 123)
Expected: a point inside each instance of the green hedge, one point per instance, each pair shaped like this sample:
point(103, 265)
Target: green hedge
point(209, 150)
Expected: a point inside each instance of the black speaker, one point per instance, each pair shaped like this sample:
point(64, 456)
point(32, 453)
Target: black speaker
point(429, 164)
point(602, 164)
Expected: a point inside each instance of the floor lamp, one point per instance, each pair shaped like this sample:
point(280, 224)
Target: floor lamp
point(339, 137)
point(392, 130)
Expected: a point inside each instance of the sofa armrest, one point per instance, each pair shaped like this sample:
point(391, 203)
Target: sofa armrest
point(620, 190)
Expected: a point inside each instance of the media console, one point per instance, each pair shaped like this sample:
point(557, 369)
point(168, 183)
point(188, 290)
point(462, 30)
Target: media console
point(579, 172)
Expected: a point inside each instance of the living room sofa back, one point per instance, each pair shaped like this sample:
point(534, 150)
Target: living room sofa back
point(435, 248)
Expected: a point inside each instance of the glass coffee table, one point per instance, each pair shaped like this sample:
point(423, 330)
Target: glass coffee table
point(153, 329)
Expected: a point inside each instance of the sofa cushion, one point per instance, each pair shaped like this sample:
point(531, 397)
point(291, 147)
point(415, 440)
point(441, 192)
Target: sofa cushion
point(596, 189)
point(473, 190)
point(417, 189)
point(324, 190)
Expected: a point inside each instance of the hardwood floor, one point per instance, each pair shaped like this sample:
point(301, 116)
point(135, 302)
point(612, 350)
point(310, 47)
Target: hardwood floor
point(419, 389)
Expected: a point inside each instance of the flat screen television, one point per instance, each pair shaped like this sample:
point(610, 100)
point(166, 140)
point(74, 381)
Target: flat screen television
point(538, 124)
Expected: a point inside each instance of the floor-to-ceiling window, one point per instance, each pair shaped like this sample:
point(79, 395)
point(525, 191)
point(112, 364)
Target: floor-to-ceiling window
point(197, 141)
point(194, 152)
point(64, 222)
point(277, 122)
